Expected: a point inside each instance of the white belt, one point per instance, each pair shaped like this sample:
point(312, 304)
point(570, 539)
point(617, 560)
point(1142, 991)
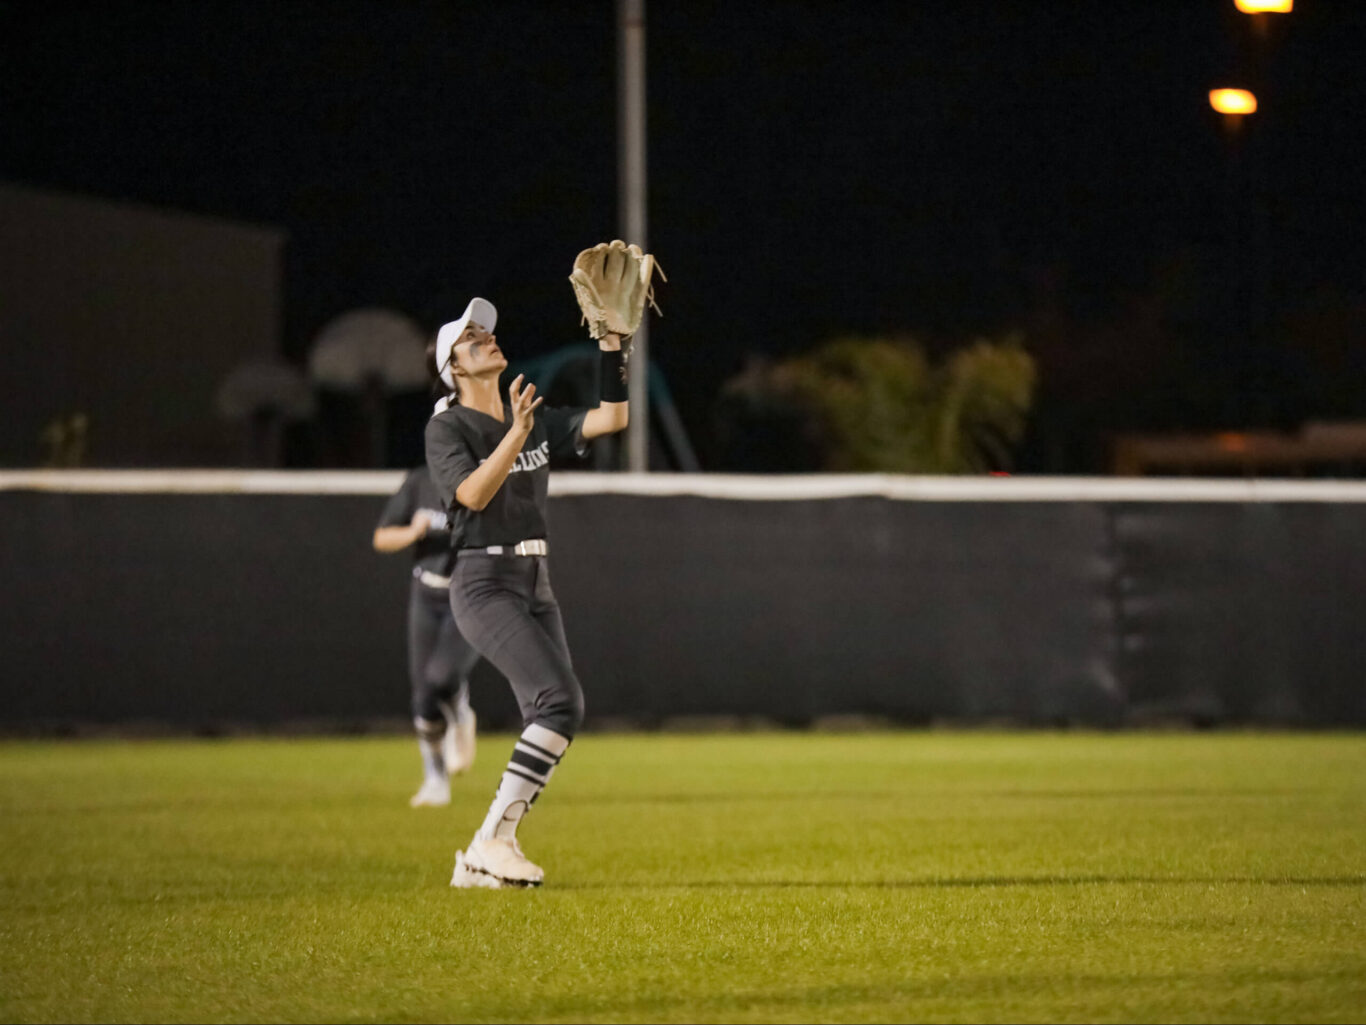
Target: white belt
point(534, 547)
point(433, 579)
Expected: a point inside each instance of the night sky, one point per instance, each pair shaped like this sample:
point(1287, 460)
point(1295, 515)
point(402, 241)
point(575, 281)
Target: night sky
point(815, 168)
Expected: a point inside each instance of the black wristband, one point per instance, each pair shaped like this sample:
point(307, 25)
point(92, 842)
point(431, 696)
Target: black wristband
point(612, 376)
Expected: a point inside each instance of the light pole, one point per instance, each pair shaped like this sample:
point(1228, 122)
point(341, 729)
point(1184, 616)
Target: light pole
point(631, 183)
point(1247, 252)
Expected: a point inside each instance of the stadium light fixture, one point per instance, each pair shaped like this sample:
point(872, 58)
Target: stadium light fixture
point(1264, 6)
point(1233, 102)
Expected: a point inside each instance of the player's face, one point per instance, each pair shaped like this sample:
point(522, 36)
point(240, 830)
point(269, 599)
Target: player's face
point(477, 352)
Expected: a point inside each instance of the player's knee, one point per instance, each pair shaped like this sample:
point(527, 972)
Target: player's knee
point(577, 710)
point(563, 713)
point(440, 688)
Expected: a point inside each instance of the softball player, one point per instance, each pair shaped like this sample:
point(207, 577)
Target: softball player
point(439, 659)
point(490, 458)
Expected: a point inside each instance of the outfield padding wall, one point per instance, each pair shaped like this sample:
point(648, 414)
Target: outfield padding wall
point(200, 600)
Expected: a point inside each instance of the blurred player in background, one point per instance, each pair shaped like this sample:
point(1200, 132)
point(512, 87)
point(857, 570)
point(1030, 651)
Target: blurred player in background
point(439, 659)
point(490, 458)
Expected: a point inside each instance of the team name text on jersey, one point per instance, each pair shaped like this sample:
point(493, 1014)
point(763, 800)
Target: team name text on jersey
point(532, 459)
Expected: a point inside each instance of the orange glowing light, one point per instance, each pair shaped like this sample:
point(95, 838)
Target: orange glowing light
point(1264, 6)
point(1231, 441)
point(1232, 101)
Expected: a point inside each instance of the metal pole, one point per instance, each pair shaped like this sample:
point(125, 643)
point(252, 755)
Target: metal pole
point(631, 209)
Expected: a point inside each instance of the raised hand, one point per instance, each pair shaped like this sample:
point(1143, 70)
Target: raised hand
point(524, 403)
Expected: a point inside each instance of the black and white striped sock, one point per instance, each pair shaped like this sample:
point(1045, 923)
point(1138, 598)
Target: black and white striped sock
point(537, 752)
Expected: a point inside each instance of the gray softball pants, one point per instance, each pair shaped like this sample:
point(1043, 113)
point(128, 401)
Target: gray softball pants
point(439, 659)
point(504, 606)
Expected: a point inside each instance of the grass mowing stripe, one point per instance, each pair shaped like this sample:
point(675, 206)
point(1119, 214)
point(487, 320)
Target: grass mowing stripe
point(744, 877)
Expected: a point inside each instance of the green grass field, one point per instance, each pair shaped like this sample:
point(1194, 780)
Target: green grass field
point(922, 876)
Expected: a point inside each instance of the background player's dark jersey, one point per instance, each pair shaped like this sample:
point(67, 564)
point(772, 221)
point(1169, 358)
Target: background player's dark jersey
point(432, 552)
point(459, 439)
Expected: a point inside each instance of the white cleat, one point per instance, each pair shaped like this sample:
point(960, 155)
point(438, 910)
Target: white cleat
point(465, 878)
point(434, 793)
point(502, 860)
point(457, 747)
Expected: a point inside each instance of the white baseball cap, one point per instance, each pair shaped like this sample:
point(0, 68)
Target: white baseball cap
point(479, 311)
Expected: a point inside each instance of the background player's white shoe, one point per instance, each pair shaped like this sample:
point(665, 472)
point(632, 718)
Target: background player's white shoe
point(434, 793)
point(457, 747)
point(465, 878)
point(503, 860)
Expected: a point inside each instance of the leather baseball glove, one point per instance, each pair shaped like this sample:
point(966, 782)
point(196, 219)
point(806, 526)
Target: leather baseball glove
point(613, 282)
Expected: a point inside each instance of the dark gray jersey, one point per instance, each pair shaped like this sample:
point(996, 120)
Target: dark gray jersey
point(459, 439)
point(432, 552)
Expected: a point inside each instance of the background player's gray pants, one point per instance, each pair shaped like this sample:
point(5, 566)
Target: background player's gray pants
point(439, 659)
point(504, 606)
